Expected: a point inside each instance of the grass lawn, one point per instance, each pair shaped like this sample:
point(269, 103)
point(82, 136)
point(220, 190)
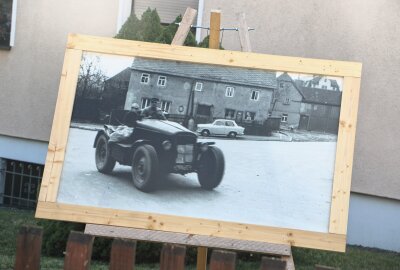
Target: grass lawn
point(355, 258)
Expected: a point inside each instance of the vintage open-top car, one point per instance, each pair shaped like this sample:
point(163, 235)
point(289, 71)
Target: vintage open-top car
point(156, 148)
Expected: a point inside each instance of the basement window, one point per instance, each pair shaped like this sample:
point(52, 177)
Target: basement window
point(19, 183)
point(8, 12)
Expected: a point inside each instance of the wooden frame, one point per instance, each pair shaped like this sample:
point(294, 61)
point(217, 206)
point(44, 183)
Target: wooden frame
point(334, 240)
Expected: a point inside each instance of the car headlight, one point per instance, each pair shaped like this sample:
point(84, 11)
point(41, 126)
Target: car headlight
point(167, 145)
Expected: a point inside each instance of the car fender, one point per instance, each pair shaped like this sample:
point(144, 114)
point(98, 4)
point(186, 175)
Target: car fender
point(99, 133)
point(138, 143)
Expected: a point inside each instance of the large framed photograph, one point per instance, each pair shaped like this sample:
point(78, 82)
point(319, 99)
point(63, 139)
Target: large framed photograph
point(209, 142)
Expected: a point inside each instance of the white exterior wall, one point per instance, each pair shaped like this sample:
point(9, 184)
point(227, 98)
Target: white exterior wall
point(374, 222)
point(167, 10)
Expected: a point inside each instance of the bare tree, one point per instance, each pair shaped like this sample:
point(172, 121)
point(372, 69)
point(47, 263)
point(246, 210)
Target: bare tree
point(91, 78)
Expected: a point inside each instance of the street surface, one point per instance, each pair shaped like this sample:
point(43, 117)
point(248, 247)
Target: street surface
point(271, 183)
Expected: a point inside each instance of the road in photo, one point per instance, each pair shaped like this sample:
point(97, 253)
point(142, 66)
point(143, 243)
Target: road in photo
point(271, 183)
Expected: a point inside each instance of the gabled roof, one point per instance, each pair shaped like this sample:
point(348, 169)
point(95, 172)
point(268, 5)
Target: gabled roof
point(244, 76)
point(321, 96)
point(284, 77)
point(123, 75)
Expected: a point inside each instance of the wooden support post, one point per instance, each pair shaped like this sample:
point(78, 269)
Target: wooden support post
point(173, 257)
point(79, 251)
point(201, 258)
point(223, 260)
point(268, 263)
point(184, 27)
point(29, 245)
point(215, 29)
point(122, 254)
point(243, 33)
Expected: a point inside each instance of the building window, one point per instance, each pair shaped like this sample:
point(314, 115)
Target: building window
point(286, 101)
point(145, 103)
point(21, 182)
point(229, 113)
point(249, 116)
point(324, 87)
point(229, 91)
point(199, 86)
point(204, 110)
point(165, 106)
point(284, 118)
point(255, 95)
point(281, 85)
point(7, 23)
point(162, 81)
point(145, 79)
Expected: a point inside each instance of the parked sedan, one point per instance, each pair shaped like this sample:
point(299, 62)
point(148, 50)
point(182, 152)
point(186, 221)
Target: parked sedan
point(221, 127)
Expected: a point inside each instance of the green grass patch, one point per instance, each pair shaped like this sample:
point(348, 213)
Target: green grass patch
point(355, 258)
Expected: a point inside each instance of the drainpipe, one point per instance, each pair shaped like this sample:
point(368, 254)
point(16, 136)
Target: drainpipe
point(199, 22)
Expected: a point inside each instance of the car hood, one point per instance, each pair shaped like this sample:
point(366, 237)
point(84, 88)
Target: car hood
point(204, 125)
point(162, 126)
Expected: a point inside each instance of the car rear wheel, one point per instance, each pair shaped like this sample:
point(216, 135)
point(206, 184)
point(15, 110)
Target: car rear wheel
point(232, 134)
point(145, 168)
point(205, 133)
point(211, 168)
point(104, 162)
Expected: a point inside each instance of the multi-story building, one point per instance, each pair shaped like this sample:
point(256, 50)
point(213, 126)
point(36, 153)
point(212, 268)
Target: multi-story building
point(205, 92)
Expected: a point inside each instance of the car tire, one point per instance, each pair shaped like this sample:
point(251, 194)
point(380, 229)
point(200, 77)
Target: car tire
point(211, 168)
point(205, 133)
point(104, 162)
point(232, 134)
point(145, 168)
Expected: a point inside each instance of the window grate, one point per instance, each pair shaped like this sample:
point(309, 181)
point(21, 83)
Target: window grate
point(20, 183)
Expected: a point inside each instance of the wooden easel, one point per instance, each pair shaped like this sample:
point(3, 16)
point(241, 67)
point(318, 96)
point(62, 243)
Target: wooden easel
point(204, 242)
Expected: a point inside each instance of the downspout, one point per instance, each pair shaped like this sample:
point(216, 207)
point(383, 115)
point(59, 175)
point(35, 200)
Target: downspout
point(199, 22)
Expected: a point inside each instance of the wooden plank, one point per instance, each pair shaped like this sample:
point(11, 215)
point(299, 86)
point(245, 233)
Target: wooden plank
point(289, 262)
point(172, 257)
point(216, 57)
point(188, 239)
point(180, 224)
point(29, 246)
point(344, 156)
point(222, 260)
point(123, 254)
point(184, 27)
point(79, 251)
point(201, 258)
point(215, 29)
point(268, 263)
point(60, 129)
point(243, 29)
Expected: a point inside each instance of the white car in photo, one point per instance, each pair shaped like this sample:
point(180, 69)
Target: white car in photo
point(221, 127)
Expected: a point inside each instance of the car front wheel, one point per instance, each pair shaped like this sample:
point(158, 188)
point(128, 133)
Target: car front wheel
point(205, 133)
point(232, 134)
point(104, 162)
point(211, 168)
point(145, 168)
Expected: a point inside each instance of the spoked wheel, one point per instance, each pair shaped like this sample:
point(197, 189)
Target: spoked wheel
point(211, 168)
point(104, 162)
point(145, 168)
